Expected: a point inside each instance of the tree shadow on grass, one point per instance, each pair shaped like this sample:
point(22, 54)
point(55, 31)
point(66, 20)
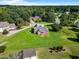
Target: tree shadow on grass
point(52, 28)
point(73, 26)
point(49, 27)
point(75, 29)
point(74, 57)
point(2, 49)
point(75, 39)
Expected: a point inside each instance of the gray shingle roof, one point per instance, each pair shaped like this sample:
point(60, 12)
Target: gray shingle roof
point(4, 24)
point(29, 53)
point(12, 25)
point(41, 29)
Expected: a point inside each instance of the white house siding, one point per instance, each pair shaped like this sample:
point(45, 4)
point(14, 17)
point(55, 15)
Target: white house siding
point(1, 30)
point(12, 28)
point(34, 57)
point(7, 26)
point(27, 58)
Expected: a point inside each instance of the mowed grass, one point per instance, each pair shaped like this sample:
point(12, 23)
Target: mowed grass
point(43, 53)
point(26, 39)
point(2, 37)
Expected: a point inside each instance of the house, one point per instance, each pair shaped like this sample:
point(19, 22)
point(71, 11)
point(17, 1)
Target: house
point(41, 30)
point(24, 54)
point(12, 27)
point(7, 26)
point(3, 26)
point(35, 18)
point(29, 54)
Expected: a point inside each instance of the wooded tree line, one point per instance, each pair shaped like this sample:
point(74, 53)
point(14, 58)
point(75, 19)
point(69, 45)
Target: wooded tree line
point(20, 14)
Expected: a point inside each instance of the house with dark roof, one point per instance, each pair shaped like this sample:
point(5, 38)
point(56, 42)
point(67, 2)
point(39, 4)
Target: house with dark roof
point(7, 26)
point(40, 30)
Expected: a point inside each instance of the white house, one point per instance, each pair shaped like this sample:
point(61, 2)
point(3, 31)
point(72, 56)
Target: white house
point(7, 26)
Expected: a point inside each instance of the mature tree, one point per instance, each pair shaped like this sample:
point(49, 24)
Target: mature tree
point(64, 18)
point(49, 17)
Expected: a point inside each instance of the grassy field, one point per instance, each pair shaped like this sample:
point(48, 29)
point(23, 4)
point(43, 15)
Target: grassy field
point(2, 37)
point(26, 39)
point(43, 53)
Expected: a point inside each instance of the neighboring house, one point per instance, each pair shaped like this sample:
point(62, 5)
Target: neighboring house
point(24, 54)
point(12, 27)
point(41, 30)
point(29, 54)
point(7, 26)
point(3, 26)
point(35, 18)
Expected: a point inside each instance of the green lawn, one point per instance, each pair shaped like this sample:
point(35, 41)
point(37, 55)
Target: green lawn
point(44, 23)
point(26, 39)
point(43, 53)
point(2, 37)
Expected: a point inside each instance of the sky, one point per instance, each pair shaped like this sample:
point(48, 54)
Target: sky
point(39, 2)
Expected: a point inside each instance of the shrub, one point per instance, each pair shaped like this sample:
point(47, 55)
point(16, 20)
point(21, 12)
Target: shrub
point(2, 49)
point(32, 30)
point(56, 27)
point(68, 32)
point(57, 49)
point(5, 32)
point(19, 26)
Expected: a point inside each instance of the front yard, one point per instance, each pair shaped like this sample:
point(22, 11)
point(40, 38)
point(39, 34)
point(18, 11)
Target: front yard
point(26, 39)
